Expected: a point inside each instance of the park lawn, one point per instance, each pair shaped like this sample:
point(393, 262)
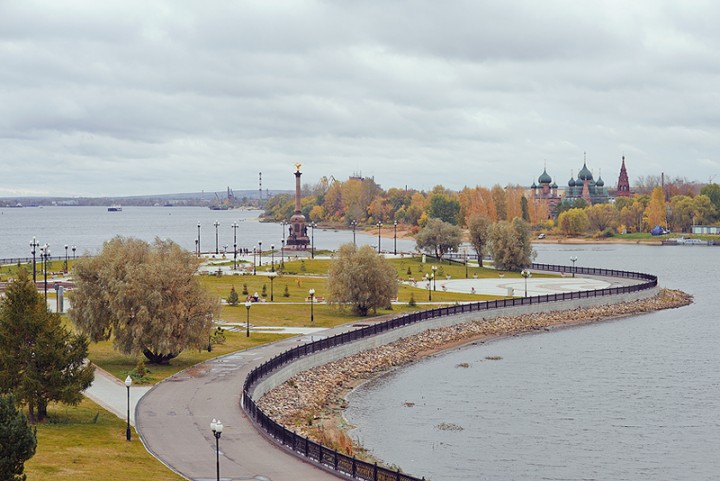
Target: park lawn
point(119, 365)
point(87, 443)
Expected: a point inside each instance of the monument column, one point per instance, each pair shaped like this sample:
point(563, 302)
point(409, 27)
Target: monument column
point(297, 237)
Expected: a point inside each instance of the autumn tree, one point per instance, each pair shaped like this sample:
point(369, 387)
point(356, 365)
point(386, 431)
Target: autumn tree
point(500, 200)
point(438, 236)
point(601, 217)
point(712, 191)
point(479, 232)
point(655, 213)
point(510, 245)
point(631, 216)
point(145, 297)
point(573, 222)
point(359, 277)
point(443, 207)
point(17, 440)
point(40, 360)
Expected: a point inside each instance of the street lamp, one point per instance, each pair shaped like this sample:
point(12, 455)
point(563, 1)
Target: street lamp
point(272, 254)
point(434, 269)
point(128, 383)
point(379, 226)
point(260, 253)
point(312, 298)
point(283, 228)
point(573, 259)
point(427, 284)
point(254, 264)
point(272, 275)
point(248, 304)
point(73, 249)
point(45, 253)
point(217, 249)
point(198, 240)
point(466, 261)
point(525, 273)
point(34, 244)
point(217, 429)
point(282, 254)
point(197, 249)
point(66, 259)
point(312, 240)
point(354, 224)
point(395, 238)
point(234, 228)
point(225, 246)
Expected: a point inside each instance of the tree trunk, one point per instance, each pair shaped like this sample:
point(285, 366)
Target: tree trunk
point(159, 358)
point(41, 411)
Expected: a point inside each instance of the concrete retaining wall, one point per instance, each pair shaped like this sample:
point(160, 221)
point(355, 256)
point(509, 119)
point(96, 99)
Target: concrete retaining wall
point(333, 354)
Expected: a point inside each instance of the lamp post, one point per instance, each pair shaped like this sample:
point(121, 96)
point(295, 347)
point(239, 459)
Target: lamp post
point(379, 226)
point(272, 275)
point(282, 254)
point(525, 273)
point(197, 249)
point(73, 249)
point(225, 246)
point(283, 228)
point(434, 270)
point(395, 237)
point(248, 304)
point(573, 259)
point(45, 253)
point(354, 224)
point(427, 284)
point(34, 244)
point(198, 240)
point(260, 253)
point(66, 259)
point(272, 254)
point(128, 383)
point(312, 240)
point(217, 247)
point(312, 298)
point(466, 261)
point(234, 228)
point(254, 264)
point(217, 429)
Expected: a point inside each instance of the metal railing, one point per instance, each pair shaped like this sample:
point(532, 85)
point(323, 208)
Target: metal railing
point(355, 468)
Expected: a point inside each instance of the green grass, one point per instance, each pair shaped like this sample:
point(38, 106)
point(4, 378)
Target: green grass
point(87, 443)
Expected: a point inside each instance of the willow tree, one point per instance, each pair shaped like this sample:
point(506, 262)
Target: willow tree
point(510, 245)
point(359, 277)
point(146, 297)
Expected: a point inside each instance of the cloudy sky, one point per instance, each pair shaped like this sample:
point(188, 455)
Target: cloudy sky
point(131, 97)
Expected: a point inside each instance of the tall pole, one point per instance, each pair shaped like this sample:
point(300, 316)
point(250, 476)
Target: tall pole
point(235, 227)
point(312, 240)
point(272, 258)
point(217, 429)
point(34, 244)
point(379, 226)
point(260, 254)
point(73, 249)
point(217, 247)
point(312, 298)
point(434, 269)
point(573, 259)
point(254, 264)
point(128, 383)
point(198, 240)
point(272, 276)
point(45, 251)
point(282, 254)
point(354, 224)
point(248, 304)
point(66, 258)
point(466, 262)
point(525, 273)
point(395, 238)
point(283, 229)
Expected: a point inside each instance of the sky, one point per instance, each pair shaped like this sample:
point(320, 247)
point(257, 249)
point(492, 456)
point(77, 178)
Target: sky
point(103, 98)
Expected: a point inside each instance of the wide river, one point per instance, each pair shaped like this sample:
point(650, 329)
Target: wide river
point(88, 227)
point(630, 399)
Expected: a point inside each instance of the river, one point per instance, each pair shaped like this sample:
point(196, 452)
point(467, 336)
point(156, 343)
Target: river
point(88, 227)
point(629, 399)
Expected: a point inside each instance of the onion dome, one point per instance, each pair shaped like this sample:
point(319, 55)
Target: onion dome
point(585, 173)
point(600, 182)
point(534, 185)
point(571, 182)
point(553, 185)
point(544, 177)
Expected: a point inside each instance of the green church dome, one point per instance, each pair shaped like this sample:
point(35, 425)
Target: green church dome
point(544, 177)
point(585, 173)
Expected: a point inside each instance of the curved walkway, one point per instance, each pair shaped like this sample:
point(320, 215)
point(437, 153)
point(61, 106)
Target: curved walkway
point(173, 420)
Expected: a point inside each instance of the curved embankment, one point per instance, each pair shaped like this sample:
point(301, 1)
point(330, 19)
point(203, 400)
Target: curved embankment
point(312, 400)
point(373, 351)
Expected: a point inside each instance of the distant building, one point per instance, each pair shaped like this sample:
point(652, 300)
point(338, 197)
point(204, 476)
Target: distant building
point(623, 185)
point(706, 229)
point(585, 187)
point(546, 192)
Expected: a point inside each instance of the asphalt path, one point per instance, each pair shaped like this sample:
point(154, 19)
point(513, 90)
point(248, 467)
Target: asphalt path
point(173, 420)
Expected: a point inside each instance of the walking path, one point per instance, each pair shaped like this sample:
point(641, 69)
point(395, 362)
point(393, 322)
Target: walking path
point(173, 417)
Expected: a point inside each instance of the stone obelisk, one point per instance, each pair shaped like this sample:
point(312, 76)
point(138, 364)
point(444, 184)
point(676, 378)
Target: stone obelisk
point(297, 233)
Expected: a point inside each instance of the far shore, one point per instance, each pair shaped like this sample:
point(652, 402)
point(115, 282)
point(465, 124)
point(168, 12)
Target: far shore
point(312, 402)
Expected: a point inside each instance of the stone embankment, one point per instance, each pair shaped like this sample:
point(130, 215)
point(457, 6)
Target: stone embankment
point(308, 398)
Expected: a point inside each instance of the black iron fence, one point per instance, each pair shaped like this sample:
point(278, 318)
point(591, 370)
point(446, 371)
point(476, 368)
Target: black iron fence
point(355, 468)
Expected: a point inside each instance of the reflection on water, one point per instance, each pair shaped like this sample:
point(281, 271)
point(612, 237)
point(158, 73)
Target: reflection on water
point(629, 399)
